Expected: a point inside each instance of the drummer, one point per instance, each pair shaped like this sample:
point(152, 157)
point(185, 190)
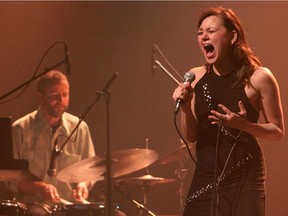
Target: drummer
point(35, 136)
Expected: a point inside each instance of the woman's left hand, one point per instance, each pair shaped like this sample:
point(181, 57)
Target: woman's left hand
point(230, 119)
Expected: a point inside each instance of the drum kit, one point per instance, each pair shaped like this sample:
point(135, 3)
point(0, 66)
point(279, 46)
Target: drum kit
point(123, 162)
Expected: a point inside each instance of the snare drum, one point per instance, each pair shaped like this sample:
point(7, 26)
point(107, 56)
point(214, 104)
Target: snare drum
point(12, 208)
point(94, 209)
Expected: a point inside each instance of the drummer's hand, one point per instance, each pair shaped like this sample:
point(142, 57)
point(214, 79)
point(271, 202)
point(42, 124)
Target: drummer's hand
point(47, 191)
point(81, 192)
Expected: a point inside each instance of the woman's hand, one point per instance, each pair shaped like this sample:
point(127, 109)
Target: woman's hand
point(230, 119)
point(184, 92)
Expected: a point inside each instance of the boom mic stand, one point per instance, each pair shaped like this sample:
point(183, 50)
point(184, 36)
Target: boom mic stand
point(167, 72)
point(32, 79)
point(105, 91)
point(108, 175)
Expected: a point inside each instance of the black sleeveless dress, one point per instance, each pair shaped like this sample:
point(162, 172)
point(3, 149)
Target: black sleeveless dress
point(239, 189)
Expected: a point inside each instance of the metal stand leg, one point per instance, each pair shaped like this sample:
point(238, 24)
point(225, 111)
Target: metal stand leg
point(181, 173)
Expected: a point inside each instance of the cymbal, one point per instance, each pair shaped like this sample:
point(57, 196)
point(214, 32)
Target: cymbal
point(10, 175)
point(94, 168)
point(177, 154)
point(147, 180)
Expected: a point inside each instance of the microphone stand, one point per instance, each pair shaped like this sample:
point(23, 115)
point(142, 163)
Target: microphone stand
point(105, 91)
point(32, 79)
point(82, 117)
point(108, 175)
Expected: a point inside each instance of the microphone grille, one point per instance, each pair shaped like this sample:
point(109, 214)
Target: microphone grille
point(189, 77)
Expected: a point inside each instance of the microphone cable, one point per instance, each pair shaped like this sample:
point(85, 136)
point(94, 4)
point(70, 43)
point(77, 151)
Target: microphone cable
point(217, 181)
point(182, 138)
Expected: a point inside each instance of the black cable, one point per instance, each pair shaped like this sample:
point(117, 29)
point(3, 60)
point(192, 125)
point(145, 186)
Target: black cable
point(224, 168)
point(35, 71)
point(217, 181)
point(184, 141)
point(214, 193)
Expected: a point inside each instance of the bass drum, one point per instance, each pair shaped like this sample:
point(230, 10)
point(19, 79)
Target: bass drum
point(94, 209)
point(12, 208)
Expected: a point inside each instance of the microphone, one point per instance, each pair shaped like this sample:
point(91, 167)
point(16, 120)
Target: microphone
point(55, 153)
point(188, 78)
point(153, 59)
point(67, 60)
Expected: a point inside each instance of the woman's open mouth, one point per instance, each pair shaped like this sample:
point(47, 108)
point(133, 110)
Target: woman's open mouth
point(209, 50)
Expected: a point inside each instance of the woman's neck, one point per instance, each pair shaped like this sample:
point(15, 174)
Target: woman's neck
point(224, 69)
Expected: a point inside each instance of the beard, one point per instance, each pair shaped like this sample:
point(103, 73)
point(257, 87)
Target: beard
point(57, 110)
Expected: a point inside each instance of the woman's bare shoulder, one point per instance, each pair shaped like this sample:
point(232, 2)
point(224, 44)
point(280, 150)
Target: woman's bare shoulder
point(262, 77)
point(199, 72)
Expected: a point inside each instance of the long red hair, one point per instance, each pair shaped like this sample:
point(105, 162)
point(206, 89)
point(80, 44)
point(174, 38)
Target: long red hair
point(246, 62)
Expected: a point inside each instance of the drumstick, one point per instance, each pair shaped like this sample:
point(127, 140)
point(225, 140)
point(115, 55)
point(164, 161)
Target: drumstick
point(84, 201)
point(65, 202)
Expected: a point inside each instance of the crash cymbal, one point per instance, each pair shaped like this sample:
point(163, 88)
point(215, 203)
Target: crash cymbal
point(147, 180)
point(94, 168)
point(175, 155)
point(11, 175)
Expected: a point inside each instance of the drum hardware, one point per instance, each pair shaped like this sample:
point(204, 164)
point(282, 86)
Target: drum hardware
point(94, 168)
point(181, 156)
point(176, 155)
point(143, 210)
point(146, 181)
point(12, 208)
point(95, 209)
point(181, 174)
point(92, 209)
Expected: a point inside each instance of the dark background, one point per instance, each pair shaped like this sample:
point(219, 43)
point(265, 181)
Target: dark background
point(108, 37)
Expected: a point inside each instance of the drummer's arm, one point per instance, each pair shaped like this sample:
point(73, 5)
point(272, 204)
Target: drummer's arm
point(46, 191)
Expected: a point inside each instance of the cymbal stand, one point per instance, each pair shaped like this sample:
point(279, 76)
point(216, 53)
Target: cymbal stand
point(146, 188)
point(181, 173)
